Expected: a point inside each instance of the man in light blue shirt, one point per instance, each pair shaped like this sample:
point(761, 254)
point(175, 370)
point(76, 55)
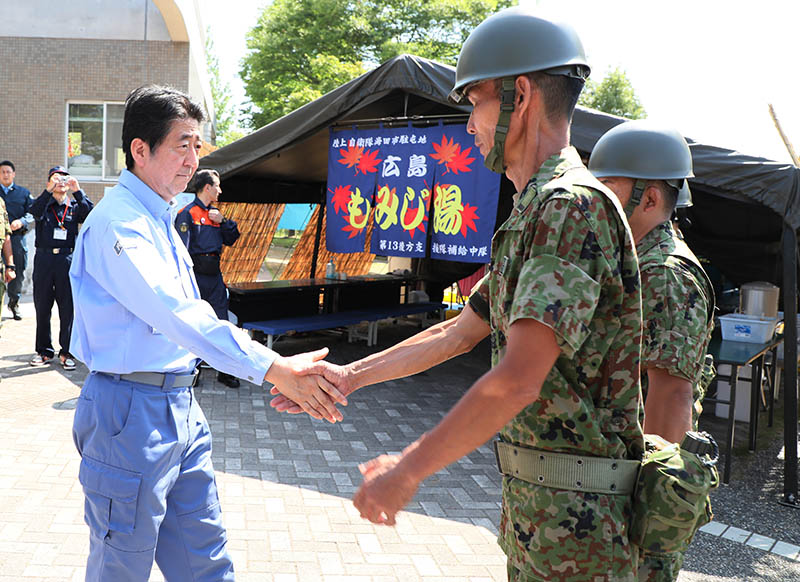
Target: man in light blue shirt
point(140, 327)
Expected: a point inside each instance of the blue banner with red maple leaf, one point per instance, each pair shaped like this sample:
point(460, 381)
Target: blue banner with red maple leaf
point(353, 162)
point(412, 172)
point(465, 194)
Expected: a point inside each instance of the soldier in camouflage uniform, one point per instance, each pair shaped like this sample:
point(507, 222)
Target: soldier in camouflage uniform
point(647, 166)
point(7, 268)
point(563, 308)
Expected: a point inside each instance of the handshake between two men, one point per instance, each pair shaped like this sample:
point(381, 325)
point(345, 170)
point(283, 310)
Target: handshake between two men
point(307, 383)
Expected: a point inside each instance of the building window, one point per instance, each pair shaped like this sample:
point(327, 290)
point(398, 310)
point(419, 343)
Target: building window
point(94, 140)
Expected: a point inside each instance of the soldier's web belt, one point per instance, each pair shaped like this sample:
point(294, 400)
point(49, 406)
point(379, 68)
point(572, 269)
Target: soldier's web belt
point(570, 472)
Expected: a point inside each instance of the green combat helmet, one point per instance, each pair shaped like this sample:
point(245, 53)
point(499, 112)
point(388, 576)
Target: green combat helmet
point(509, 43)
point(644, 151)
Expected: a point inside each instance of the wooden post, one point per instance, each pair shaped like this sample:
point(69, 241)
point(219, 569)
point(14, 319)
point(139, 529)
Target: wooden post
point(318, 234)
point(784, 137)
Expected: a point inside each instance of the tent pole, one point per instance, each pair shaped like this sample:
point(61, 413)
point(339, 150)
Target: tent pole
point(790, 366)
point(318, 234)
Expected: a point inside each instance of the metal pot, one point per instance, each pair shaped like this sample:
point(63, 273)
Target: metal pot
point(759, 298)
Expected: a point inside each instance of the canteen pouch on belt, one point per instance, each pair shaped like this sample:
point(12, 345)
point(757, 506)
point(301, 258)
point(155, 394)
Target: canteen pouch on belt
point(671, 501)
point(206, 264)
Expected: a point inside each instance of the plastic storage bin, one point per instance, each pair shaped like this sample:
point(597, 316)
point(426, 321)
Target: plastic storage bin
point(747, 328)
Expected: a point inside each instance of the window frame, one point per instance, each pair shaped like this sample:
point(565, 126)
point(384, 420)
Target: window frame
point(102, 177)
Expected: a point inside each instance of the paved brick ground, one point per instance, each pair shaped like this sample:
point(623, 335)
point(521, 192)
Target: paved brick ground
point(286, 482)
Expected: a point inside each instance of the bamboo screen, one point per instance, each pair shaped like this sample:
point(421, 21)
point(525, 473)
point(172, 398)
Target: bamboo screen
point(299, 265)
point(257, 224)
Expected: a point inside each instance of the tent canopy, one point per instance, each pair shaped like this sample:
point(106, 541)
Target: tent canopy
point(741, 201)
point(287, 160)
point(293, 150)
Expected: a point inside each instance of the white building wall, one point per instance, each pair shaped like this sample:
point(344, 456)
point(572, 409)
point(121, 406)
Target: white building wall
point(84, 19)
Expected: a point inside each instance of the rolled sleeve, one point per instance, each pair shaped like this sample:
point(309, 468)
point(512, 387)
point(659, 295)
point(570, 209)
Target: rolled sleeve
point(675, 316)
point(479, 299)
point(558, 294)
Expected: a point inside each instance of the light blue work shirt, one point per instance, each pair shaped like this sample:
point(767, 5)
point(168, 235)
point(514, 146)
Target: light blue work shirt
point(137, 306)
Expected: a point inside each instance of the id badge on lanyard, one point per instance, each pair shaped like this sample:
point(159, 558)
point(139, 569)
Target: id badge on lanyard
point(60, 232)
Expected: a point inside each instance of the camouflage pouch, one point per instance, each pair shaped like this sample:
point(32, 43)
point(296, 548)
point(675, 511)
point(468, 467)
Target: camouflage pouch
point(671, 501)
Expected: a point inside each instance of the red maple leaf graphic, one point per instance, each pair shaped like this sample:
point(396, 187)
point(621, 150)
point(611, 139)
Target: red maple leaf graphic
point(445, 150)
point(460, 161)
point(452, 156)
point(351, 156)
point(341, 196)
point(349, 228)
point(368, 162)
point(468, 218)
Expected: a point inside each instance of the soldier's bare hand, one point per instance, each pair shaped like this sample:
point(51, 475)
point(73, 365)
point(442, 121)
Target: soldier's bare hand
point(339, 376)
point(313, 394)
point(10, 276)
point(385, 491)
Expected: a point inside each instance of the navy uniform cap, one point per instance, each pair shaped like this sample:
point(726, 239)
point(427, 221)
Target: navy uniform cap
point(57, 170)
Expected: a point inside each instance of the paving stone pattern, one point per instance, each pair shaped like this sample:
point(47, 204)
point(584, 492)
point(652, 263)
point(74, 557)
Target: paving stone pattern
point(286, 482)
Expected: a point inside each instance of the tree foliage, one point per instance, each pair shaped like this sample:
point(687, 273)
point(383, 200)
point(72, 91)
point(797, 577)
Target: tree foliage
point(301, 49)
point(614, 95)
point(227, 127)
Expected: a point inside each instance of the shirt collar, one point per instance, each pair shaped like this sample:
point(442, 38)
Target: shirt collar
point(553, 167)
point(659, 235)
point(7, 189)
point(54, 202)
point(200, 202)
point(154, 203)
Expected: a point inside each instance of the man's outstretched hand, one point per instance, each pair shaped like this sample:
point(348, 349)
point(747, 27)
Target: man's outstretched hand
point(338, 376)
point(296, 378)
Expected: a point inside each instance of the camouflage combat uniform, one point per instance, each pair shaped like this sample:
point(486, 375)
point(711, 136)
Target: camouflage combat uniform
point(5, 230)
point(677, 312)
point(565, 257)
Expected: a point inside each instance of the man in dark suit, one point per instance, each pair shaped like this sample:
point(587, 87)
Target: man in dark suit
point(18, 204)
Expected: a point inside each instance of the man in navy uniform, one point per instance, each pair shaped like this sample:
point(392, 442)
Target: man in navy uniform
point(57, 221)
point(204, 230)
point(18, 204)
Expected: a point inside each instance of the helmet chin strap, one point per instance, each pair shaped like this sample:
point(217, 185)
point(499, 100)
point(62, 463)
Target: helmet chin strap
point(495, 158)
point(636, 197)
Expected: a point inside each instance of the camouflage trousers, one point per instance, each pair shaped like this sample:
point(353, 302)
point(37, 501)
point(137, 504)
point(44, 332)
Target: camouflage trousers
point(660, 567)
point(516, 575)
point(554, 535)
